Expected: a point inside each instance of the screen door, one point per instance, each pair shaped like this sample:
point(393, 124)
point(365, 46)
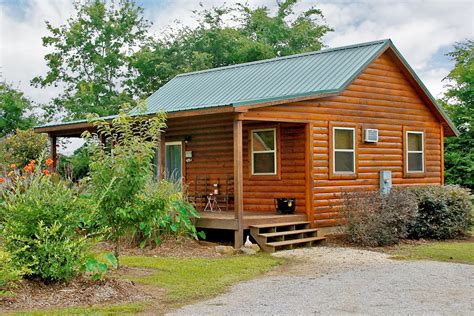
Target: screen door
point(174, 161)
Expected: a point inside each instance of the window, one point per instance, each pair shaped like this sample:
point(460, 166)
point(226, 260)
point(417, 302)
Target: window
point(414, 152)
point(264, 159)
point(174, 161)
point(344, 150)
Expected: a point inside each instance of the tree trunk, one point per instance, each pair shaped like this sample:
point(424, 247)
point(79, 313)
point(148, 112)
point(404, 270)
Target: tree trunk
point(116, 247)
point(116, 253)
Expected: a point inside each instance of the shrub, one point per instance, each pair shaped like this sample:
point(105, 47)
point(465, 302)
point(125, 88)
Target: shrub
point(119, 174)
point(9, 273)
point(375, 219)
point(75, 167)
point(41, 216)
point(22, 147)
point(162, 209)
point(444, 212)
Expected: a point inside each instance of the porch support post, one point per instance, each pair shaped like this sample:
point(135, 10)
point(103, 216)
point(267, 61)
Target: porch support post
point(160, 162)
point(442, 153)
point(309, 173)
point(53, 149)
point(238, 184)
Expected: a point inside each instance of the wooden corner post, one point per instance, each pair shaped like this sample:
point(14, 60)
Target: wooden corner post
point(309, 173)
point(54, 153)
point(160, 161)
point(238, 184)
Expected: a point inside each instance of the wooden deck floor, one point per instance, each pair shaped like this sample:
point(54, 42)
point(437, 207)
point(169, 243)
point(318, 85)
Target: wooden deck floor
point(226, 220)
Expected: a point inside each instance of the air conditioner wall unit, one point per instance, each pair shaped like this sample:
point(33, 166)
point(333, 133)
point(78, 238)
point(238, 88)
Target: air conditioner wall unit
point(371, 135)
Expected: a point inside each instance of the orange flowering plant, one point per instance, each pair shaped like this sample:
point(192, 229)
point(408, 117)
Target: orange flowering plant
point(42, 215)
point(33, 168)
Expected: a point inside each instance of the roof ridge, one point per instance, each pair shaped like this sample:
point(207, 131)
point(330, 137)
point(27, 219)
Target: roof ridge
point(274, 59)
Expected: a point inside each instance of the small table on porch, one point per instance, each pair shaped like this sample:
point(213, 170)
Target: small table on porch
point(212, 205)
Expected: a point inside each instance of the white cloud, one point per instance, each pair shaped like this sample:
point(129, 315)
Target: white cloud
point(418, 28)
point(21, 46)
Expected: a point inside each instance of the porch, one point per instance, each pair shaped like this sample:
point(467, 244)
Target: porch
point(227, 220)
point(218, 148)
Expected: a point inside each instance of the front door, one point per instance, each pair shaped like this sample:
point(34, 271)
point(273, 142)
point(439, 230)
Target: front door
point(174, 161)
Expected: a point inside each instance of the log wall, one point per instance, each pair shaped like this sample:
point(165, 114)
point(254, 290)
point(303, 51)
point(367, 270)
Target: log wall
point(382, 98)
point(211, 142)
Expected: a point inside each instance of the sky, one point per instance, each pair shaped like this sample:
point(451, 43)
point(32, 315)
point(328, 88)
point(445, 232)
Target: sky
point(423, 30)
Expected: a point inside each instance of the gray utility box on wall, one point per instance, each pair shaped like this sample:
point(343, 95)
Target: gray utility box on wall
point(385, 181)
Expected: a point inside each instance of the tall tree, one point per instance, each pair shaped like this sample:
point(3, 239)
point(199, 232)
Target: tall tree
point(15, 110)
point(226, 36)
point(459, 102)
point(90, 56)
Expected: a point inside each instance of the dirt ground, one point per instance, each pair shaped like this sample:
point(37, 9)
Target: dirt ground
point(169, 247)
point(33, 294)
point(79, 292)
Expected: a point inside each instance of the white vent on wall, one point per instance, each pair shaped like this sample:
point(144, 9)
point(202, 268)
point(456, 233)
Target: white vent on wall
point(371, 135)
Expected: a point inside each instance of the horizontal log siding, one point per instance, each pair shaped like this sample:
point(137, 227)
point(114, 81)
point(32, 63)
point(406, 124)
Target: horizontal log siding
point(212, 146)
point(259, 193)
point(381, 97)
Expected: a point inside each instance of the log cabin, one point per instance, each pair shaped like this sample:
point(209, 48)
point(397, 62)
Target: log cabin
point(304, 128)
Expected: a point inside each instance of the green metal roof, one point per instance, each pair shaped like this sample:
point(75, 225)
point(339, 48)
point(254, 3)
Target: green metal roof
point(281, 78)
point(326, 71)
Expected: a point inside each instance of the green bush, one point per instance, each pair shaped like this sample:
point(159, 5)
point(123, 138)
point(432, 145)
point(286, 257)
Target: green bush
point(41, 217)
point(374, 219)
point(118, 174)
point(9, 273)
point(162, 209)
point(444, 212)
point(21, 147)
point(75, 167)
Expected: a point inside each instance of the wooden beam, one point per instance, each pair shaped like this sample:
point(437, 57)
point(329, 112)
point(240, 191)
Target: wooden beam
point(308, 173)
point(197, 112)
point(64, 128)
point(54, 154)
point(260, 116)
point(442, 152)
point(238, 183)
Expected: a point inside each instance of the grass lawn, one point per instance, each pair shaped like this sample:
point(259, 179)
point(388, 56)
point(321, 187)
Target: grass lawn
point(191, 279)
point(185, 280)
point(129, 309)
point(462, 252)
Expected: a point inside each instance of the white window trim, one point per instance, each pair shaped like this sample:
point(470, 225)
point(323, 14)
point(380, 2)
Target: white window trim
point(275, 159)
point(180, 143)
point(174, 143)
point(422, 152)
point(343, 150)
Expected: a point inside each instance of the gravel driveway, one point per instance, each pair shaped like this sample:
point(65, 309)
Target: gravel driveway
point(325, 280)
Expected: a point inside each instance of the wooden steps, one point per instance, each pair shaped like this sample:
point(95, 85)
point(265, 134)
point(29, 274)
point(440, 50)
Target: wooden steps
point(282, 236)
point(292, 242)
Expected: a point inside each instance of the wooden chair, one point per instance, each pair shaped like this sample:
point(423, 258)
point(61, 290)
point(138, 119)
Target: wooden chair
point(199, 195)
point(226, 198)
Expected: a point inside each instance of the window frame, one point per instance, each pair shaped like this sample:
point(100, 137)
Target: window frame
point(275, 151)
point(183, 165)
point(335, 128)
point(406, 153)
point(341, 175)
